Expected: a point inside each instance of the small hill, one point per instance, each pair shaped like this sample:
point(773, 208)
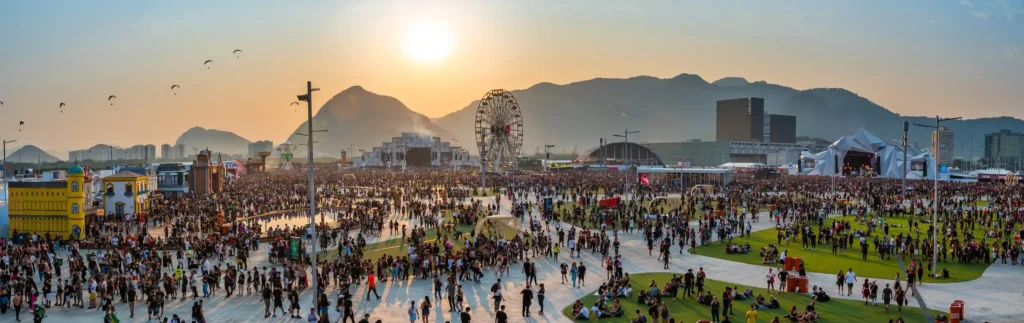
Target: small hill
point(731, 81)
point(359, 117)
point(216, 140)
point(30, 154)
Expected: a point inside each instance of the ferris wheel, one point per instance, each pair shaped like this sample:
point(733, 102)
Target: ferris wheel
point(498, 130)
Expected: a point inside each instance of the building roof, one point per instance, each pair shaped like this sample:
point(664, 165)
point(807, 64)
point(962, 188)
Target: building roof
point(125, 174)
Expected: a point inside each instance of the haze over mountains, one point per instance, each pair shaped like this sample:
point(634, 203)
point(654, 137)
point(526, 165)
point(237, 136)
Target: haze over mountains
point(30, 154)
point(364, 119)
point(683, 107)
point(215, 140)
point(577, 114)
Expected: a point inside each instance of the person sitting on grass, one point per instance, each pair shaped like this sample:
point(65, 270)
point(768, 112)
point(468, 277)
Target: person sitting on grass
point(760, 303)
point(616, 309)
point(583, 314)
point(626, 291)
point(773, 303)
point(705, 299)
point(639, 318)
point(596, 311)
point(736, 295)
point(818, 294)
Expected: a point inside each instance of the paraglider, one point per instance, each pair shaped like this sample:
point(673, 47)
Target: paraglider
point(61, 109)
point(295, 103)
point(175, 87)
point(236, 52)
point(207, 63)
point(20, 123)
point(1, 102)
point(111, 98)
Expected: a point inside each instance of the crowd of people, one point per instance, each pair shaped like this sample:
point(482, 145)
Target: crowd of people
point(251, 239)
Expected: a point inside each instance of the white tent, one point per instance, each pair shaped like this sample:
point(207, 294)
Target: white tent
point(888, 157)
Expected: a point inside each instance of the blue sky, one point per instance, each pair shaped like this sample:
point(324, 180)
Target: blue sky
point(913, 57)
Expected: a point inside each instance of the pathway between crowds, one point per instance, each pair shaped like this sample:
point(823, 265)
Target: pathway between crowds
point(993, 297)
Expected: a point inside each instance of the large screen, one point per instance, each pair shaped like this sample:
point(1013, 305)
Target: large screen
point(418, 157)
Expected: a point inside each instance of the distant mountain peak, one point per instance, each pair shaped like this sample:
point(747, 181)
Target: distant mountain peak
point(30, 153)
point(354, 89)
point(731, 81)
point(689, 78)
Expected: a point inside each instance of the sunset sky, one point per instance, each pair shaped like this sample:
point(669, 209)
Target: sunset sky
point(913, 57)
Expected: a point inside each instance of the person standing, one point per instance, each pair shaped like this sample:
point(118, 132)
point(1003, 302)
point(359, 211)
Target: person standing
point(451, 296)
point(688, 283)
point(464, 316)
point(527, 300)
point(751, 315)
point(715, 307)
point(496, 290)
point(540, 299)
point(771, 280)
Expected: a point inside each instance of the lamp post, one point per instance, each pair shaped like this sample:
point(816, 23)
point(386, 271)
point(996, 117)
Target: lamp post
point(625, 138)
point(308, 98)
point(935, 198)
point(111, 158)
point(906, 138)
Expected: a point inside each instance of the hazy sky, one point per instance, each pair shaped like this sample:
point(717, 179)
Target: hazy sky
point(914, 57)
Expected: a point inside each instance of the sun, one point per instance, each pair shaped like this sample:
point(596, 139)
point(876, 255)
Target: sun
point(428, 42)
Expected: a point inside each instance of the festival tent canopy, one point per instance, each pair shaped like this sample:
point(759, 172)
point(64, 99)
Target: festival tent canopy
point(888, 158)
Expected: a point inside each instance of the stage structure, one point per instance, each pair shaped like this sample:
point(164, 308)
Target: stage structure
point(415, 150)
point(287, 150)
point(864, 154)
point(499, 130)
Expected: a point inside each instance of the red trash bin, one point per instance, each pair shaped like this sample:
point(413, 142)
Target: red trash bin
point(802, 284)
point(788, 263)
point(956, 311)
point(792, 284)
point(797, 262)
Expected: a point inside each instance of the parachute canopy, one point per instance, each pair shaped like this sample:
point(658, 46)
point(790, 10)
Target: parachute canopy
point(62, 104)
point(236, 52)
point(207, 62)
point(111, 97)
point(174, 86)
point(295, 103)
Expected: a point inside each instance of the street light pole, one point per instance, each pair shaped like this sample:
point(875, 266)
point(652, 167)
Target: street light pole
point(906, 138)
point(937, 143)
point(625, 138)
point(308, 97)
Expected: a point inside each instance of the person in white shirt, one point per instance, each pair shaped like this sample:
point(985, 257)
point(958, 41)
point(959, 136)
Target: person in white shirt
point(851, 279)
point(596, 311)
point(584, 314)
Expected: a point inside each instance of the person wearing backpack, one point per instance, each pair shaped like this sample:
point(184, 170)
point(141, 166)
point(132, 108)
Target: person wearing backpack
point(496, 290)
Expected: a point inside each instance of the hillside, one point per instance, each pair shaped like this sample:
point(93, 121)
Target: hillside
point(683, 107)
point(216, 140)
point(359, 117)
point(30, 154)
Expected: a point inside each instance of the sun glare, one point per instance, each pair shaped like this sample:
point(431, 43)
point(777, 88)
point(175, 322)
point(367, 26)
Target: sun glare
point(428, 42)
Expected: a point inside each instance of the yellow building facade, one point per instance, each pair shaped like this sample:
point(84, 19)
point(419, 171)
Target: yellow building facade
point(56, 208)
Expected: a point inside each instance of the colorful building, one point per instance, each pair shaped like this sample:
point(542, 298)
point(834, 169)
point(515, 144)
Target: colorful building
point(54, 208)
point(125, 192)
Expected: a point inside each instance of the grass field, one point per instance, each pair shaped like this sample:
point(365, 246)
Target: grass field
point(823, 261)
point(688, 310)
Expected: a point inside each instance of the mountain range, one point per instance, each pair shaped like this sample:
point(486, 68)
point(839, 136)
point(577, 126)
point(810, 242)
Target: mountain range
point(577, 114)
point(684, 107)
point(216, 140)
point(364, 119)
point(30, 154)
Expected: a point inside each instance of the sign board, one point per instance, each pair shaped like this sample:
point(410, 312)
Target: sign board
point(295, 248)
point(943, 169)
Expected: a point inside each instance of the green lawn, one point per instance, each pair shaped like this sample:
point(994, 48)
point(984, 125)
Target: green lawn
point(688, 310)
point(823, 261)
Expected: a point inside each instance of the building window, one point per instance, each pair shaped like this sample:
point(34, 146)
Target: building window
point(110, 188)
point(74, 186)
point(74, 208)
